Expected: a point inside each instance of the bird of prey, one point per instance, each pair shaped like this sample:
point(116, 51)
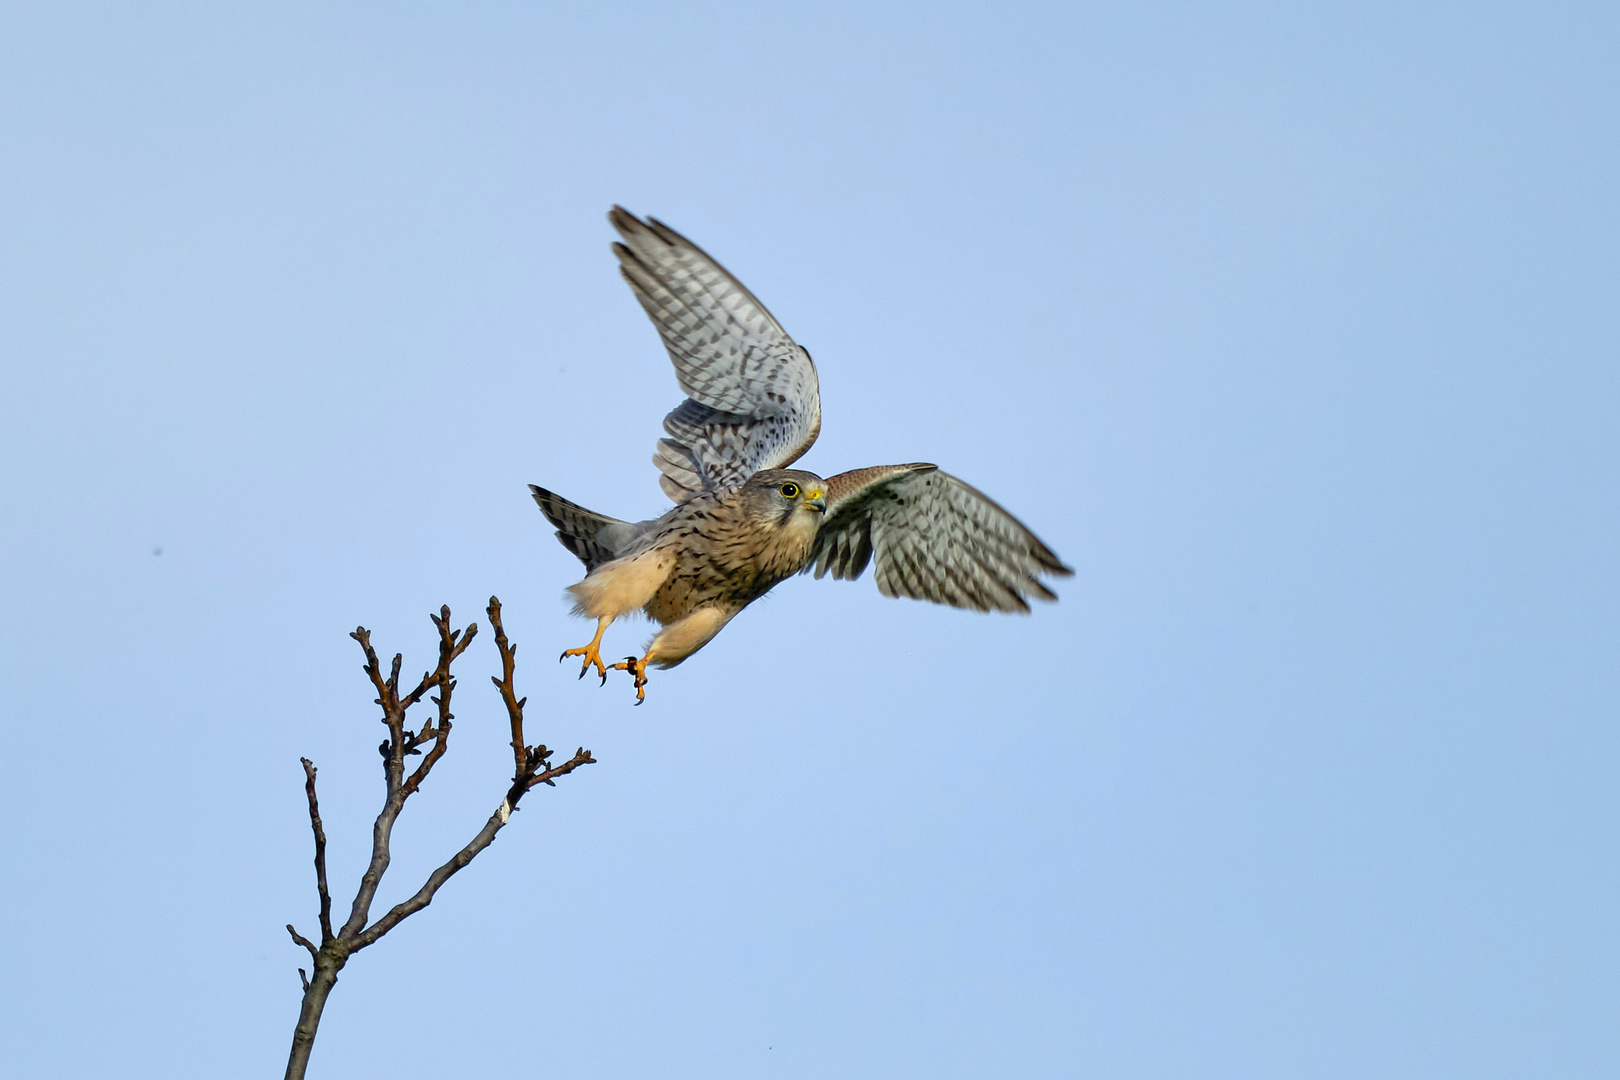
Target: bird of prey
point(742, 520)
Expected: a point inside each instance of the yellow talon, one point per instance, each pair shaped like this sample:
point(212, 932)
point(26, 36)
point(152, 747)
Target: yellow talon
point(592, 653)
point(638, 668)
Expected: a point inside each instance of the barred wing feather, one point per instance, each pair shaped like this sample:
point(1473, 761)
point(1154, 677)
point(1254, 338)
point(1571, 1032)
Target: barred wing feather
point(933, 538)
point(753, 400)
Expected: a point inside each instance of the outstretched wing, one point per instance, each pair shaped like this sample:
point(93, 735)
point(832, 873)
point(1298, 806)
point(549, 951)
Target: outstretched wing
point(753, 400)
point(934, 538)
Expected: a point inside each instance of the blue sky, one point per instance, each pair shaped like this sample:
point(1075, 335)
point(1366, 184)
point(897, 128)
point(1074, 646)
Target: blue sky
point(1291, 327)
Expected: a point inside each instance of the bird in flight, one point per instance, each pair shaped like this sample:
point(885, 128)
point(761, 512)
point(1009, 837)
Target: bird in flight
point(742, 520)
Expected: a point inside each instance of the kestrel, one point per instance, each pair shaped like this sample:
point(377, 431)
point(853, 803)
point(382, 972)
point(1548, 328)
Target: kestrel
point(742, 521)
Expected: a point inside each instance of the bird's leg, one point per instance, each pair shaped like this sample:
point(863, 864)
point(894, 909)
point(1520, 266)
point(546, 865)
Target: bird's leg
point(674, 643)
point(592, 652)
point(638, 668)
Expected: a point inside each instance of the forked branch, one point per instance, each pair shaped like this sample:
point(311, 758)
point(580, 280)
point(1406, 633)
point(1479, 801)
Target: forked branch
point(532, 766)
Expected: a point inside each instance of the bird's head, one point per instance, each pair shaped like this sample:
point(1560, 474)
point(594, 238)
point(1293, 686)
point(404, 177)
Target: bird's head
point(789, 498)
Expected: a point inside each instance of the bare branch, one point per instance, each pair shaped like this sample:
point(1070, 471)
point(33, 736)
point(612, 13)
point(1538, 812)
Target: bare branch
point(581, 756)
point(514, 707)
point(320, 850)
point(451, 646)
point(304, 941)
point(363, 636)
point(424, 896)
point(381, 831)
point(532, 763)
point(532, 766)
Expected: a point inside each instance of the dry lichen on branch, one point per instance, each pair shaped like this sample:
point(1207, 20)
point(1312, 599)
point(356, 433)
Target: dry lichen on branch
point(531, 766)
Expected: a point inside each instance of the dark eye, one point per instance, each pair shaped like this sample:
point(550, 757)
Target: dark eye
point(790, 490)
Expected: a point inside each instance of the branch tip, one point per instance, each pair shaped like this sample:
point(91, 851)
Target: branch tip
point(300, 939)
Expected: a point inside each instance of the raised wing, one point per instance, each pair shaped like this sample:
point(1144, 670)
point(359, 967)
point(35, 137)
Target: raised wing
point(753, 400)
point(934, 538)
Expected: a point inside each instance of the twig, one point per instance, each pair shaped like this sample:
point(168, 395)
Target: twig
point(304, 941)
point(527, 759)
point(320, 850)
point(448, 651)
point(532, 765)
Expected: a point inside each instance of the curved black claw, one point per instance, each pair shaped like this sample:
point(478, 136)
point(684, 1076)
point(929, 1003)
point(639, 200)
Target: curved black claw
point(639, 676)
point(604, 676)
point(563, 657)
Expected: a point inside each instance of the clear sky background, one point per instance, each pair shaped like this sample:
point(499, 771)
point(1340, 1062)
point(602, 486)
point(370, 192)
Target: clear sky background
point(1293, 328)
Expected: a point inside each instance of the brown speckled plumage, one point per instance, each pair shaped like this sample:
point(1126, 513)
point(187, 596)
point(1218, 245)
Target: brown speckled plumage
point(729, 555)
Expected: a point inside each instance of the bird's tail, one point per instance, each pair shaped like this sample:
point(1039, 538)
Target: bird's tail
point(594, 538)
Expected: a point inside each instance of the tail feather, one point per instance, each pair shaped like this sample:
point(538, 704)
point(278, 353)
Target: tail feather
point(593, 538)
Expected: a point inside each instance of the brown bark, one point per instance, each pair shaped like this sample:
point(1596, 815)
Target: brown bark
point(532, 766)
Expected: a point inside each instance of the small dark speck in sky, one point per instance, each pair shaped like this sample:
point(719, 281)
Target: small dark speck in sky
point(157, 551)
